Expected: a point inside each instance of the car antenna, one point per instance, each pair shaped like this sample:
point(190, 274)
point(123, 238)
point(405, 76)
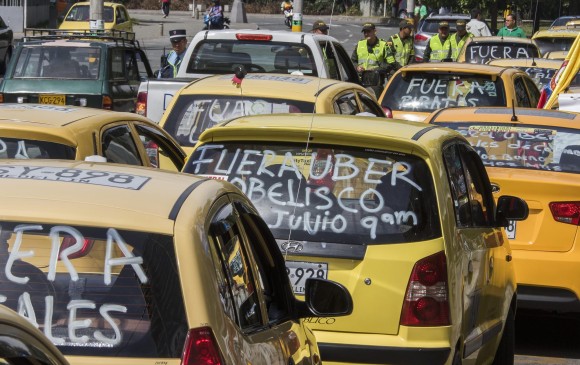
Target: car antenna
point(239, 73)
point(534, 64)
point(514, 116)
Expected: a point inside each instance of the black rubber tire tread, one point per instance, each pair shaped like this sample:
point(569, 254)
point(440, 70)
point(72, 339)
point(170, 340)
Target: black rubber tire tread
point(506, 349)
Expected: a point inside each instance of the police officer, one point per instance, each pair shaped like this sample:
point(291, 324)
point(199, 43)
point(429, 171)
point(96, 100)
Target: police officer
point(438, 47)
point(319, 27)
point(401, 44)
point(174, 58)
point(457, 40)
point(371, 52)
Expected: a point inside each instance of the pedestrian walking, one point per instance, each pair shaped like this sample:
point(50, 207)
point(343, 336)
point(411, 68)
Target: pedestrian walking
point(165, 4)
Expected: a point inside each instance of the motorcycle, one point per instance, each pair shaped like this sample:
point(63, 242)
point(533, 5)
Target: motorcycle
point(288, 14)
point(216, 22)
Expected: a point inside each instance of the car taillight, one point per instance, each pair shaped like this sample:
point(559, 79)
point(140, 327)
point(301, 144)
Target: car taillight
point(201, 348)
point(253, 37)
point(566, 212)
point(69, 241)
point(426, 300)
point(141, 105)
point(388, 112)
point(322, 167)
point(421, 38)
point(107, 102)
point(418, 59)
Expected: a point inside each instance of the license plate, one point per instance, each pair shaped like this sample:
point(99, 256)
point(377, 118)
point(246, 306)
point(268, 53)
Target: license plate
point(299, 271)
point(510, 230)
point(52, 99)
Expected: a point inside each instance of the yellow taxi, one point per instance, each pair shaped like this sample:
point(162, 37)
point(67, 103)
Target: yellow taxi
point(115, 16)
point(400, 213)
point(563, 92)
point(556, 39)
point(541, 70)
point(207, 101)
point(22, 343)
point(33, 131)
point(482, 49)
point(536, 155)
point(165, 293)
point(416, 90)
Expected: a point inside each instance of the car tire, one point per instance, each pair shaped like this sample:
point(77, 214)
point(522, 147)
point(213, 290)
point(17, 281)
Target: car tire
point(505, 351)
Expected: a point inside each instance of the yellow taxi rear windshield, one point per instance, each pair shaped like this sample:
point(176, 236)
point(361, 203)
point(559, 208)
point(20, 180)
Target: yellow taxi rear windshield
point(476, 52)
point(523, 146)
point(328, 193)
point(94, 291)
point(21, 148)
point(428, 91)
point(192, 114)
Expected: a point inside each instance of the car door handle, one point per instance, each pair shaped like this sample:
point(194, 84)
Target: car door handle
point(508, 257)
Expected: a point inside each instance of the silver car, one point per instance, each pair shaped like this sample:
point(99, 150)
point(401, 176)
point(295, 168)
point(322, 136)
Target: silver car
point(429, 27)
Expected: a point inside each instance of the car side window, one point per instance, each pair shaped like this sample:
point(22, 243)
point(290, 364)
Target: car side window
point(269, 276)
point(158, 149)
point(369, 105)
point(119, 147)
point(117, 64)
point(458, 184)
point(330, 60)
point(533, 90)
point(521, 94)
point(20, 347)
point(346, 104)
point(472, 199)
point(343, 58)
point(237, 269)
point(131, 65)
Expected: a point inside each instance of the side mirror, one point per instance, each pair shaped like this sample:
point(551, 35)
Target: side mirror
point(510, 208)
point(325, 298)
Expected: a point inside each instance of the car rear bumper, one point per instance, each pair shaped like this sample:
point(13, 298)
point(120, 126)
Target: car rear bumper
point(361, 354)
point(548, 280)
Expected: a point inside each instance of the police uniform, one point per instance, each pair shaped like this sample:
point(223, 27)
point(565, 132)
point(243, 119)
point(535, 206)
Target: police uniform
point(375, 56)
point(437, 49)
point(402, 49)
point(173, 59)
point(456, 42)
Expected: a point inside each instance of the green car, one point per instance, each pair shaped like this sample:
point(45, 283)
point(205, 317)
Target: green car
point(80, 68)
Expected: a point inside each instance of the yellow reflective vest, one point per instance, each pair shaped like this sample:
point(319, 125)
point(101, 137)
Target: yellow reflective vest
point(402, 49)
point(439, 51)
point(380, 54)
point(457, 44)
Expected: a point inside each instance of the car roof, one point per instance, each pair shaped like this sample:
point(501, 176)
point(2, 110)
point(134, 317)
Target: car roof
point(292, 87)
point(526, 62)
point(449, 16)
point(496, 39)
point(327, 128)
point(106, 3)
point(451, 67)
point(128, 197)
point(543, 117)
point(277, 35)
point(64, 121)
point(557, 32)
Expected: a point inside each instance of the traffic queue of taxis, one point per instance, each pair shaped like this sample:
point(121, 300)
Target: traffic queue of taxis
point(324, 232)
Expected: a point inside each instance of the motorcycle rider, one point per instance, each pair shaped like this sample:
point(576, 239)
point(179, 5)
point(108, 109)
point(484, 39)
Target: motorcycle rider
point(286, 8)
point(214, 18)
